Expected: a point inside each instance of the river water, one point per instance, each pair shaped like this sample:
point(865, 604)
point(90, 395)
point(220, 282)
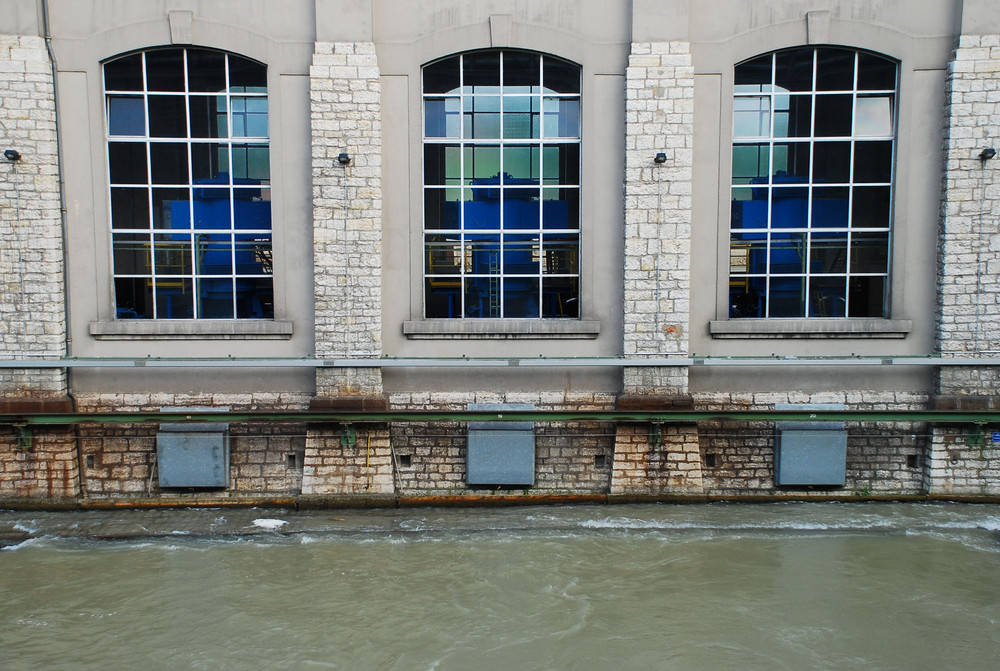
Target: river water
point(715, 586)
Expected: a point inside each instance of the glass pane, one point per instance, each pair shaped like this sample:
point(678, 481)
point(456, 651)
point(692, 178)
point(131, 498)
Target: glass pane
point(208, 116)
point(792, 116)
point(443, 76)
point(246, 76)
point(834, 70)
point(867, 297)
point(747, 298)
point(210, 163)
point(789, 207)
point(562, 117)
point(133, 298)
point(520, 297)
point(167, 116)
point(521, 255)
point(165, 70)
point(215, 298)
point(561, 208)
point(212, 209)
point(441, 208)
point(788, 253)
point(442, 298)
point(442, 117)
point(206, 71)
point(482, 212)
point(482, 297)
point(124, 74)
point(828, 297)
point(251, 163)
point(442, 255)
point(521, 209)
point(559, 76)
point(127, 162)
point(174, 298)
point(442, 164)
point(754, 76)
point(249, 116)
point(833, 115)
point(749, 208)
point(869, 252)
point(130, 254)
point(129, 208)
point(171, 209)
point(752, 116)
point(829, 206)
point(482, 165)
point(876, 73)
point(748, 254)
point(833, 162)
point(561, 254)
point(873, 116)
point(215, 253)
point(520, 117)
point(482, 254)
point(790, 163)
point(126, 115)
point(172, 254)
point(828, 253)
point(794, 70)
point(751, 163)
point(560, 298)
point(872, 162)
point(481, 117)
point(482, 72)
point(522, 163)
point(251, 209)
point(871, 207)
point(254, 298)
point(168, 163)
point(521, 72)
point(786, 297)
point(561, 164)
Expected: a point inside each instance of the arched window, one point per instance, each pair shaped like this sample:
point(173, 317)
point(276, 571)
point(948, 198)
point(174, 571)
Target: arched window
point(189, 175)
point(501, 186)
point(813, 146)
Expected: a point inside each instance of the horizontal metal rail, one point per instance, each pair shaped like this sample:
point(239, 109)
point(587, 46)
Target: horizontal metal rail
point(493, 362)
point(978, 417)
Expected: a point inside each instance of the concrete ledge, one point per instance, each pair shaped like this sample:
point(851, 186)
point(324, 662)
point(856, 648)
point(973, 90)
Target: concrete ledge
point(501, 329)
point(191, 329)
point(20, 406)
point(349, 404)
point(654, 403)
point(810, 328)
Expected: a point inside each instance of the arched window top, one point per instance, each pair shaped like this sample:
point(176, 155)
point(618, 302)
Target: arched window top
point(501, 71)
point(180, 70)
point(804, 69)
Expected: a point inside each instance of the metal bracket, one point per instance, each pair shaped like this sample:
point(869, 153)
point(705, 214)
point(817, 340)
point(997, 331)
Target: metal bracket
point(974, 437)
point(25, 437)
point(656, 434)
point(348, 436)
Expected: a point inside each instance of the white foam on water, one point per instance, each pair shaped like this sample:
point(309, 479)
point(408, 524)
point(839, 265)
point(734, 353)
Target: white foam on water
point(269, 524)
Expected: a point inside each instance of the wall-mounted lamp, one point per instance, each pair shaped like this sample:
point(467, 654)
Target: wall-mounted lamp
point(660, 158)
point(12, 155)
point(343, 159)
point(987, 154)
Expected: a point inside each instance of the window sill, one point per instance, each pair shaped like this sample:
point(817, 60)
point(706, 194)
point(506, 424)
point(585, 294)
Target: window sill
point(810, 328)
point(501, 329)
point(191, 329)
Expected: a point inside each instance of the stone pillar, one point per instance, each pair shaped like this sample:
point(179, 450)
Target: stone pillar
point(648, 465)
point(969, 253)
point(659, 108)
point(345, 91)
point(361, 467)
point(32, 290)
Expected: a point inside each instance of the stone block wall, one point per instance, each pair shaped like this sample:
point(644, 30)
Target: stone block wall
point(659, 118)
point(964, 462)
point(45, 470)
point(32, 294)
point(359, 468)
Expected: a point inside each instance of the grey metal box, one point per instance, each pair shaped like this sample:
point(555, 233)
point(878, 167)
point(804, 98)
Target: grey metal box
point(810, 456)
point(500, 453)
point(193, 456)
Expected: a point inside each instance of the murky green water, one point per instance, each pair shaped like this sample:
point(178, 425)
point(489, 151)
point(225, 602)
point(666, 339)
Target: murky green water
point(785, 586)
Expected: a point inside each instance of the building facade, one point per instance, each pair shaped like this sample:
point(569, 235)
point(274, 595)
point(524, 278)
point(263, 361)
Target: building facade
point(377, 250)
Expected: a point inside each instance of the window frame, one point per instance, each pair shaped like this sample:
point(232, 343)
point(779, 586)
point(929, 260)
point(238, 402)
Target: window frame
point(459, 307)
point(736, 313)
point(250, 270)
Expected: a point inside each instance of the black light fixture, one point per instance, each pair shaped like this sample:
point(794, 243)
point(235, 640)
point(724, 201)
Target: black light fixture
point(987, 154)
point(660, 158)
point(12, 155)
point(343, 158)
